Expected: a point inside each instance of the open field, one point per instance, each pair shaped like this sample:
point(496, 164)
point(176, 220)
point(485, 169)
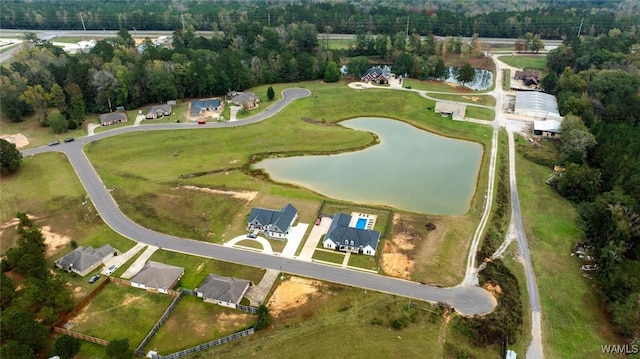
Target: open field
point(108, 316)
point(486, 100)
point(186, 326)
point(429, 85)
point(47, 187)
point(573, 323)
point(334, 311)
point(36, 134)
point(531, 62)
point(481, 113)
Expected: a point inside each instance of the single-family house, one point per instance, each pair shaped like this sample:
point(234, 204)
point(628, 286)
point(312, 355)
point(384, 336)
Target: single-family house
point(83, 260)
point(377, 74)
point(246, 99)
point(225, 291)
point(273, 223)
point(457, 111)
point(157, 277)
point(343, 237)
point(158, 111)
point(111, 118)
point(200, 107)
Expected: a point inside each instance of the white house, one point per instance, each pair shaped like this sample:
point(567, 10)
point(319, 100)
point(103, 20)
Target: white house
point(274, 224)
point(342, 237)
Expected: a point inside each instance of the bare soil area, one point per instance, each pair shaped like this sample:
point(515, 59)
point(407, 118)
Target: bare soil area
point(53, 241)
point(245, 195)
point(19, 140)
point(396, 255)
point(291, 294)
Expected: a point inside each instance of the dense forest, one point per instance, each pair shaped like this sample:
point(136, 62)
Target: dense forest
point(597, 81)
point(507, 18)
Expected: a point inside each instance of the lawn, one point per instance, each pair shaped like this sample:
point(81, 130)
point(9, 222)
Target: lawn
point(185, 327)
point(46, 186)
point(486, 100)
point(532, 62)
point(430, 85)
point(329, 256)
point(196, 269)
point(108, 316)
point(506, 79)
point(574, 324)
point(480, 113)
point(36, 134)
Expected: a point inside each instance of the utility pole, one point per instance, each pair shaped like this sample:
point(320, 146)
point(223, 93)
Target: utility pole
point(182, 17)
point(82, 19)
point(580, 29)
point(269, 17)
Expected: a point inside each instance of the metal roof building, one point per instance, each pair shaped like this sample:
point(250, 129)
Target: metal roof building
point(536, 104)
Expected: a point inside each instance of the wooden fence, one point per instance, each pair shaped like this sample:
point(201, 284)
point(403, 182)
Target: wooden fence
point(80, 336)
point(65, 318)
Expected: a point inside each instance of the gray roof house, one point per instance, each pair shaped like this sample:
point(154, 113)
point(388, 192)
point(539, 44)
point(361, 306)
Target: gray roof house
point(83, 260)
point(274, 224)
point(111, 118)
point(157, 277)
point(377, 74)
point(158, 111)
point(247, 99)
point(199, 107)
point(225, 291)
point(344, 238)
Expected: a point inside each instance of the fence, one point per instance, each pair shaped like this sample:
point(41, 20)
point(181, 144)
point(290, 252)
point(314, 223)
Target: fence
point(244, 308)
point(80, 305)
point(154, 330)
point(80, 336)
point(206, 346)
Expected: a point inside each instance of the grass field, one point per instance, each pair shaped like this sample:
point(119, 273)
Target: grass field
point(506, 79)
point(573, 322)
point(435, 86)
point(108, 316)
point(480, 113)
point(533, 62)
point(185, 327)
point(331, 257)
point(486, 100)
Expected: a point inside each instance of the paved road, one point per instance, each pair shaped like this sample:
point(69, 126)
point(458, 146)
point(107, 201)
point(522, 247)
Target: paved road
point(467, 300)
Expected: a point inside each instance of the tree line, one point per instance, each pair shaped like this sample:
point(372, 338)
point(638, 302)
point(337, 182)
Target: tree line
point(446, 18)
point(597, 82)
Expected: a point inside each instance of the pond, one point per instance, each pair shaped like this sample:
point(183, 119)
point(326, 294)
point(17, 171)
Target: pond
point(410, 169)
point(483, 81)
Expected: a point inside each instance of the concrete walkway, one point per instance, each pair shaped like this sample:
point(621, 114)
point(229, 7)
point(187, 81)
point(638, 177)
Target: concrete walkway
point(314, 238)
point(266, 246)
point(139, 263)
point(139, 119)
point(345, 261)
point(123, 258)
point(258, 293)
point(91, 128)
point(294, 237)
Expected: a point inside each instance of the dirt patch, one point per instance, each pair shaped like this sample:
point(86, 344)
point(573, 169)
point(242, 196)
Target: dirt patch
point(53, 241)
point(19, 139)
point(291, 294)
point(245, 195)
point(494, 289)
point(396, 261)
point(472, 98)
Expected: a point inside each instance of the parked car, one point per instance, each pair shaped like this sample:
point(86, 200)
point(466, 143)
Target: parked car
point(69, 139)
point(112, 268)
point(252, 235)
point(94, 278)
point(54, 143)
point(408, 87)
point(318, 221)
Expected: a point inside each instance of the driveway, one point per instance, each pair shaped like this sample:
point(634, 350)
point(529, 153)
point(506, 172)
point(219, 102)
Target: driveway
point(314, 238)
point(266, 246)
point(294, 237)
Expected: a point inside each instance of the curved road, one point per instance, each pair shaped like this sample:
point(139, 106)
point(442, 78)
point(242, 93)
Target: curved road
point(467, 300)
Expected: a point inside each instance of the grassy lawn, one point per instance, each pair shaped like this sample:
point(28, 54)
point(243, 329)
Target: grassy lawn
point(486, 100)
point(533, 62)
point(335, 44)
point(573, 322)
point(480, 113)
point(186, 328)
point(108, 316)
point(506, 79)
point(57, 199)
point(331, 257)
point(67, 39)
point(429, 85)
point(36, 134)
point(364, 261)
point(510, 259)
point(196, 269)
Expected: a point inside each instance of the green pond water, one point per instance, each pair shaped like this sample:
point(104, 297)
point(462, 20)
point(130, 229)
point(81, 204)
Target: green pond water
point(410, 169)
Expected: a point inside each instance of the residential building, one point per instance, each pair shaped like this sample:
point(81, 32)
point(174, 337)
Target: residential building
point(377, 74)
point(157, 277)
point(344, 237)
point(225, 291)
point(158, 111)
point(245, 99)
point(83, 260)
point(273, 223)
point(111, 118)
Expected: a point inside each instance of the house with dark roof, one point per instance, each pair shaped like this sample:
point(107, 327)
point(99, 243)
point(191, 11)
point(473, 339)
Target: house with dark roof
point(225, 291)
point(274, 224)
point(345, 238)
point(528, 78)
point(158, 111)
point(200, 107)
point(377, 74)
point(107, 119)
point(246, 99)
point(83, 260)
point(157, 277)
